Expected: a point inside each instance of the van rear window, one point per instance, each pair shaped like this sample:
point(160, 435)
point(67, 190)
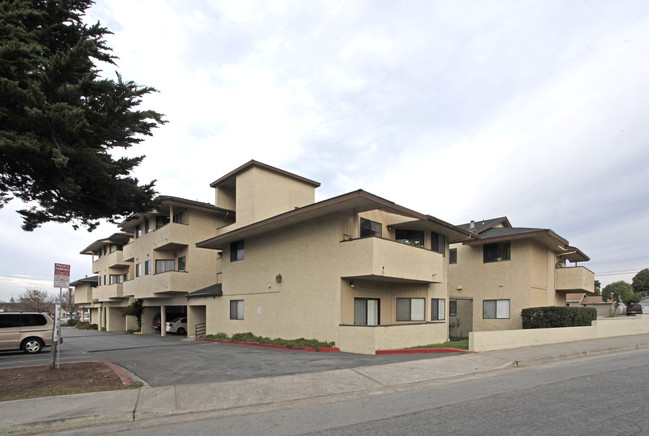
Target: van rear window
point(9, 320)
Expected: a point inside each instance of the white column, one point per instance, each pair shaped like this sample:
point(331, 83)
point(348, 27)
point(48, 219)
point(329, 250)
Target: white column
point(163, 321)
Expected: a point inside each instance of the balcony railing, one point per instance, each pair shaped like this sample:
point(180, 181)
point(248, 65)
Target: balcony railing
point(384, 259)
point(574, 279)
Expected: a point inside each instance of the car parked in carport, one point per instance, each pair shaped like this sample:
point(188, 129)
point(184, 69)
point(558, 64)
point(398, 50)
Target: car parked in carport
point(170, 315)
point(177, 326)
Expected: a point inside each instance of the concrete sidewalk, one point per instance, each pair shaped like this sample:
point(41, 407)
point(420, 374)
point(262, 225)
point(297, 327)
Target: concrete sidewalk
point(226, 398)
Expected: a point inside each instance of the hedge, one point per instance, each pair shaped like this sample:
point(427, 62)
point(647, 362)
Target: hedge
point(557, 316)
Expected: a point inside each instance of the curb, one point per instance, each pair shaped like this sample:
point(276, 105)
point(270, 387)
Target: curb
point(126, 378)
point(280, 347)
point(422, 351)
point(567, 356)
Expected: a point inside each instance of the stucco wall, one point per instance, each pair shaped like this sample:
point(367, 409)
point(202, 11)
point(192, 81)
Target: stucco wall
point(261, 194)
point(494, 281)
point(604, 328)
point(366, 340)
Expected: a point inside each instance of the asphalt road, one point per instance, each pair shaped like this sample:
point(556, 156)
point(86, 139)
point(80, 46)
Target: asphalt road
point(171, 360)
point(606, 395)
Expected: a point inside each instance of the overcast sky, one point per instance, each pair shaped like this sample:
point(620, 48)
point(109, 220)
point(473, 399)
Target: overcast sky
point(462, 110)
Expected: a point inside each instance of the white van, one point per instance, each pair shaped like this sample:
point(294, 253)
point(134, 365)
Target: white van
point(27, 331)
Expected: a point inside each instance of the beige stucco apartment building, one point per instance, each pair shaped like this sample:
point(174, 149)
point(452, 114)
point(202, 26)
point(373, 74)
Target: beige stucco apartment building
point(154, 260)
point(355, 269)
point(507, 269)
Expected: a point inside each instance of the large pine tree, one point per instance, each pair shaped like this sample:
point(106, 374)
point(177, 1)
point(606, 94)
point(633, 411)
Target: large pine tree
point(59, 120)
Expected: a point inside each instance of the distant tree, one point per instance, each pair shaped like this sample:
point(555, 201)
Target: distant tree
point(640, 282)
point(33, 300)
point(598, 286)
point(620, 292)
point(60, 122)
point(66, 300)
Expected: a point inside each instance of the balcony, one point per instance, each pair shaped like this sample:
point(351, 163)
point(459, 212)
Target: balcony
point(83, 296)
point(115, 259)
point(574, 279)
point(169, 237)
point(156, 285)
point(108, 292)
point(386, 260)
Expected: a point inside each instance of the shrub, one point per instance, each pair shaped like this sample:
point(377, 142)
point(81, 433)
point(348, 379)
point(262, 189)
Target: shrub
point(557, 316)
point(86, 326)
point(72, 322)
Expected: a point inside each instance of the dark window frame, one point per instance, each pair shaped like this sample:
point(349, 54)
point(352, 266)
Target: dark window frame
point(236, 313)
point(496, 252)
point(237, 250)
point(496, 301)
point(452, 256)
point(369, 229)
point(438, 243)
point(410, 237)
point(434, 309)
point(410, 300)
point(452, 308)
point(166, 263)
point(378, 311)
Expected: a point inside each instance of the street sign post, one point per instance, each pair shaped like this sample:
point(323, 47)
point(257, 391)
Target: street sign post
point(61, 280)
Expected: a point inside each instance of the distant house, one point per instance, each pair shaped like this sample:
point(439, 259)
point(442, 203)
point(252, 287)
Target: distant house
point(604, 308)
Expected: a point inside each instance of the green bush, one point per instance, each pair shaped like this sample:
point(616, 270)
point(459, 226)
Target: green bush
point(72, 322)
point(86, 326)
point(557, 316)
point(249, 337)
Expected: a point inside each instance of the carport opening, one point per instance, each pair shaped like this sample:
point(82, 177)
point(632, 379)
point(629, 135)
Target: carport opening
point(172, 313)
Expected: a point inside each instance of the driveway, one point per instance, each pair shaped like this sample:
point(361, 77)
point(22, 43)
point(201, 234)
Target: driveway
point(171, 360)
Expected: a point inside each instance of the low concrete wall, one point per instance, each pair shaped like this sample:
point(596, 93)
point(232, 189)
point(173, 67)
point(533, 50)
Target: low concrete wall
point(368, 339)
point(603, 328)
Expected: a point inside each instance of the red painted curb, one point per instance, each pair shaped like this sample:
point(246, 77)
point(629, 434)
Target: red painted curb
point(281, 347)
point(126, 380)
point(422, 350)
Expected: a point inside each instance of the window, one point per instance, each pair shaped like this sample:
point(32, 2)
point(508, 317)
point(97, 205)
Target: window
point(147, 226)
point(410, 237)
point(138, 231)
point(181, 263)
point(138, 270)
point(495, 309)
point(236, 309)
point(147, 267)
point(236, 250)
point(366, 311)
point(497, 252)
point(179, 217)
point(104, 279)
point(370, 228)
point(164, 265)
point(438, 243)
point(116, 278)
point(452, 308)
point(452, 256)
point(438, 309)
point(161, 221)
point(410, 309)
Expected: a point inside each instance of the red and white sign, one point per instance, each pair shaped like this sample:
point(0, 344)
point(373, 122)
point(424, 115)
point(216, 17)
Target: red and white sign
point(61, 275)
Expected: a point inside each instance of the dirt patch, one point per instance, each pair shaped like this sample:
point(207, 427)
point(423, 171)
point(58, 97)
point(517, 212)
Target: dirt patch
point(69, 378)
